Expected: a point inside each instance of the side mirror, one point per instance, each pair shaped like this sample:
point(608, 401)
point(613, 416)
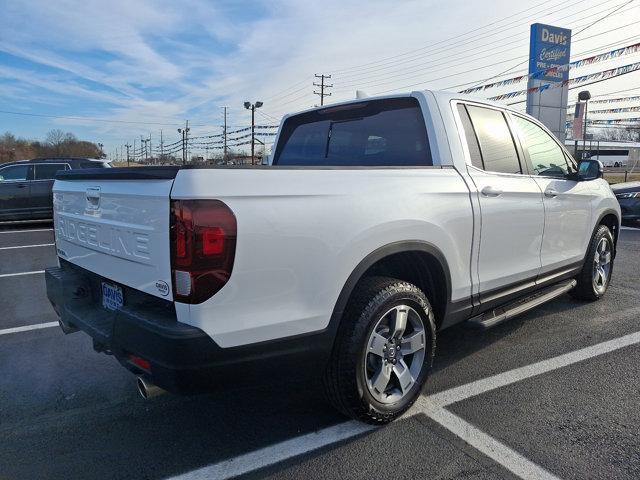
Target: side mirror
point(590, 170)
point(1, 178)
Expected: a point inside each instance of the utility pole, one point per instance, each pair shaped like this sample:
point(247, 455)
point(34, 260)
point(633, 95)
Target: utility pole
point(127, 146)
point(322, 86)
point(252, 107)
point(134, 149)
point(150, 147)
point(224, 136)
point(161, 147)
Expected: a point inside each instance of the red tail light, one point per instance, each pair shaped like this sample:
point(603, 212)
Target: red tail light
point(203, 246)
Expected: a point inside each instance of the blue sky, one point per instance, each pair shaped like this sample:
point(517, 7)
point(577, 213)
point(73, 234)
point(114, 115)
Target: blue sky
point(161, 62)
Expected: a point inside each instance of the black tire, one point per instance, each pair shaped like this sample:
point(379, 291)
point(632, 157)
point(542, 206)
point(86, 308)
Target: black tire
point(345, 377)
point(585, 289)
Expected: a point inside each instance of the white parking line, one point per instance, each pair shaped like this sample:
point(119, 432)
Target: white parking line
point(434, 408)
point(478, 387)
point(26, 231)
point(278, 452)
point(28, 246)
point(3, 275)
point(26, 328)
point(486, 444)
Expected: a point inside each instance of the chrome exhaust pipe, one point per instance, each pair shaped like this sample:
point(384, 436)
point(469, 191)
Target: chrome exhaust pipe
point(148, 390)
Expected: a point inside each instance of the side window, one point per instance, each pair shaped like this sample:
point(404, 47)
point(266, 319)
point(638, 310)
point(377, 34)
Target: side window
point(546, 155)
point(472, 140)
point(14, 173)
point(47, 171)
point(499, 153)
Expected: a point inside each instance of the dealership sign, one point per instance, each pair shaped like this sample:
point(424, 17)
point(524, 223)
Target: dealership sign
point(548, 79)
point(549, 47)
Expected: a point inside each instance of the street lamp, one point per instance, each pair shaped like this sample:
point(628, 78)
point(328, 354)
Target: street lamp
point(101, 151)
point(184, 132)
point(584, 96)
point(252, 107)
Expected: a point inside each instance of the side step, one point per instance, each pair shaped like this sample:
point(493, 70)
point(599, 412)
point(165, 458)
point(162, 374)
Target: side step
point(506, 312)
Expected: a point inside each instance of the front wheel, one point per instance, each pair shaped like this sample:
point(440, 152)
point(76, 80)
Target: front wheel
point(595, 275)
point(383, 350)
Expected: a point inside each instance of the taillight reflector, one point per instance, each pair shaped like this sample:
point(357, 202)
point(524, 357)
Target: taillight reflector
point(140, 362)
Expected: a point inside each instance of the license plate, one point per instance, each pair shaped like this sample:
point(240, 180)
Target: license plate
point(112, 298)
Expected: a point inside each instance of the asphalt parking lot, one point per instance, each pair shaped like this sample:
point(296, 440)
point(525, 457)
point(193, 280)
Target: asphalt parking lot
point(551, 394)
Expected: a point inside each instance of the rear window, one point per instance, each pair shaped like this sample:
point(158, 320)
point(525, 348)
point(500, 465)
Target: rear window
point(375, 133)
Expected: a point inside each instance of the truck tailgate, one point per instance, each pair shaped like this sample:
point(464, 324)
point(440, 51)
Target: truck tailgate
point(117, 228)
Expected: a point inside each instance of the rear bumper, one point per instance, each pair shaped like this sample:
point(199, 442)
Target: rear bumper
point(182, 358)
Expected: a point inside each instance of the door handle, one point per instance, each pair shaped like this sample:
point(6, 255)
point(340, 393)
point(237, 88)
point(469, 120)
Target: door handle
point(490, 191)
point(550, 192)
point(22, 185)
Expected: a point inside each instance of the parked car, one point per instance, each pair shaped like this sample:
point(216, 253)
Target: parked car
point(379, 222)
point(25, 186)
point(628, 194)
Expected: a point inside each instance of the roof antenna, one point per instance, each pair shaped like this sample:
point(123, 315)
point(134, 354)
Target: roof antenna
point(361, 94)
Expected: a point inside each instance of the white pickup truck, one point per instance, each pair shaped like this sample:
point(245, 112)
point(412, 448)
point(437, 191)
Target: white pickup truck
point(379, 222)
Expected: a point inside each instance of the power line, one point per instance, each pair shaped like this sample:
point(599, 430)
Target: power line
point(572, 37)
point(444, 41)
point(455, 60)
point(451, 75)
point(465, 42)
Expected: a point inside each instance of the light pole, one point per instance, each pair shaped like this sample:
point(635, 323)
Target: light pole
point(584, 96)
point(184, 131)
point(143, 148)
point(252, 107)
point(101, 151)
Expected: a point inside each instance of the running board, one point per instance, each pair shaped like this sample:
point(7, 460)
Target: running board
point(506, 312)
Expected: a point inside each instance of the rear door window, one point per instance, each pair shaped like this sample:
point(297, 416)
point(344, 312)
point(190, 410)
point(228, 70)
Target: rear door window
point(470, 135)
point(498, 149)
point(47, 171)
point(14, 173)
point(376, 133)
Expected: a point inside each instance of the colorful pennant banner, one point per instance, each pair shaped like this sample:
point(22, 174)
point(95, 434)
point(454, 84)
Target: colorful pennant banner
point(612, 121)
point(634, 98)
point(613, 72)
point(617, 110)
point(578, 63)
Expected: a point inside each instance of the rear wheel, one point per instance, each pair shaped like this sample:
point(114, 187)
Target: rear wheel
point(383, 350)
point(595, 275)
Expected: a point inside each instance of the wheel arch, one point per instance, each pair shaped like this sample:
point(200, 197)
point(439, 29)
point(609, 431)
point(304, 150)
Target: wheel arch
point(418, 262)
point(610, 218)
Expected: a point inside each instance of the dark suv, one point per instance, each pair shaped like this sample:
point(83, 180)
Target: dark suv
point(628, 195)
point(25, 185)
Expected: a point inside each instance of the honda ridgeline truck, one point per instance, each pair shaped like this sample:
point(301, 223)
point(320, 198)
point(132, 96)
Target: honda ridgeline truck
point(379, 222)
